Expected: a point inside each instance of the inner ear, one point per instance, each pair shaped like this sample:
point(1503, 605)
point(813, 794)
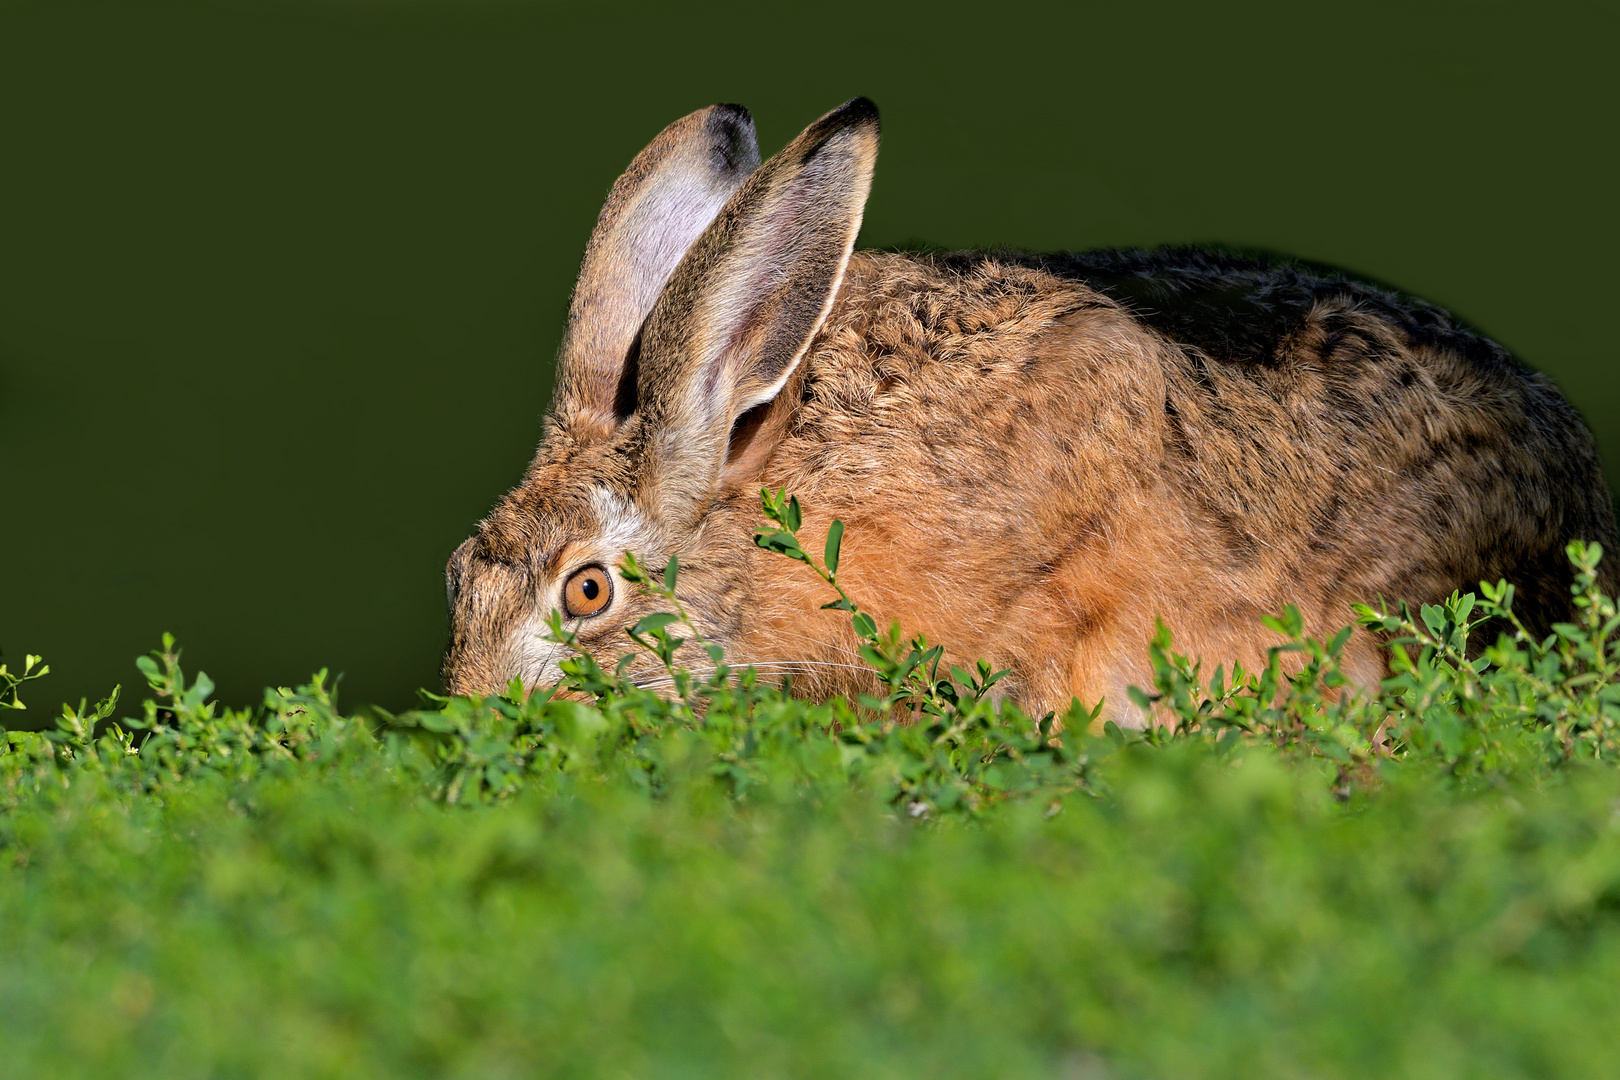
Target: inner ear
point(756, 434)
point(626, 397)
point(743, 432)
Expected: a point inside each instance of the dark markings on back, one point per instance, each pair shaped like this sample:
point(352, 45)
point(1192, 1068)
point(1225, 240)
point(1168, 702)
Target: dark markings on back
point(1240, 308)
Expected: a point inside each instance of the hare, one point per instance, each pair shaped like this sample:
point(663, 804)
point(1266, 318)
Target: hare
point(1035, 456)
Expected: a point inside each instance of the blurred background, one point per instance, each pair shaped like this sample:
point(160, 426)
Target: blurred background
point(281, 283)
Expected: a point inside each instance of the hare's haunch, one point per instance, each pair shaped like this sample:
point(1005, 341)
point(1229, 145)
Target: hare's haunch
point(1035, 456)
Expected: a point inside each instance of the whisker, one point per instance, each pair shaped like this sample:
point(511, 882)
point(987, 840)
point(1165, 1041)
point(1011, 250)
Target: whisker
point(546, 663)
point(795, 663)
point(762, 666)
point(819, 641)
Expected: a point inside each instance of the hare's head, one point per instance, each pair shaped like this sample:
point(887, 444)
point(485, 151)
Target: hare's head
point(701, 288)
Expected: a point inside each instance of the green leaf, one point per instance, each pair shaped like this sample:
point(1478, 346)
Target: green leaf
point(783, 543)
point(577, 722)
point(630, 567)
point(649, 623)
point(149, 668)
point(1289, 623)
point(1337, 644)
point(672, 570)
point(835, 540)
point(767, 504)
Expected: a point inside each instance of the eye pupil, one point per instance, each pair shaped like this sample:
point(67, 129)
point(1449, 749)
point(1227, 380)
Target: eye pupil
point(590, 589)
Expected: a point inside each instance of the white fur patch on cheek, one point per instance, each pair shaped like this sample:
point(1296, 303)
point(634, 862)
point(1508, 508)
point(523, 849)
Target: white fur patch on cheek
point(533, 657)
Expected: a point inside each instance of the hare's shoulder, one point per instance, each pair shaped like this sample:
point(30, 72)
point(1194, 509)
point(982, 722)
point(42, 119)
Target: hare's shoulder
point(931, 364)
point(946, 324)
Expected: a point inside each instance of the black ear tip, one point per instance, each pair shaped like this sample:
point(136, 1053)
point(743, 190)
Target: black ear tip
point(735, 127)
point(852, 115)
point(858, 110)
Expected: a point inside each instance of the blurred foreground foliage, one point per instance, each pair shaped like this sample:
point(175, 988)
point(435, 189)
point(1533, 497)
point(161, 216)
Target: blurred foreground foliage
point(1281, 876)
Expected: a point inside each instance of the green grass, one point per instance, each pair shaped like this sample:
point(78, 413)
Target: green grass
point(1286, 879)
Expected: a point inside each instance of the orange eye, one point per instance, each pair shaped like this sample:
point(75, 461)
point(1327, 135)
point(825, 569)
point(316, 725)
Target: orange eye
point(587, 592)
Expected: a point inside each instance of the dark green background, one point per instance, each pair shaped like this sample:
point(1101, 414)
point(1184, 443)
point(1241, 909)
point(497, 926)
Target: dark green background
point(280, 283)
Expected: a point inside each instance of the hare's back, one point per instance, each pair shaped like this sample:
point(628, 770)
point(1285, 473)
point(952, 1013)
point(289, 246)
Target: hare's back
point(1356, 438)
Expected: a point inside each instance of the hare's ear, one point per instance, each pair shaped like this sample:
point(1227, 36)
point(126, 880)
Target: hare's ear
point(741, 308)
point(662, 203)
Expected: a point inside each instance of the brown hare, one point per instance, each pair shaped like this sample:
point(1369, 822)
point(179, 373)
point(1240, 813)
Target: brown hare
point(1036, 456)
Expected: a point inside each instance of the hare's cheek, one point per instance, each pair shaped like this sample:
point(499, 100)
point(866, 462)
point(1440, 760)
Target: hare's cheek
point(532, 656)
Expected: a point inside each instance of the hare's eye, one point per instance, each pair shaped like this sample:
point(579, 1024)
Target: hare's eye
point(587, 592)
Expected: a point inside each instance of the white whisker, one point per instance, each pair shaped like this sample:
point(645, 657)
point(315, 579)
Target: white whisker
point(765, 667)
point(795, 663)
point(818, 641)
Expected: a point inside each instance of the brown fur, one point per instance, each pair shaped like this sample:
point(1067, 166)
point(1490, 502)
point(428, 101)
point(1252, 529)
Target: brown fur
point(1032, 462)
